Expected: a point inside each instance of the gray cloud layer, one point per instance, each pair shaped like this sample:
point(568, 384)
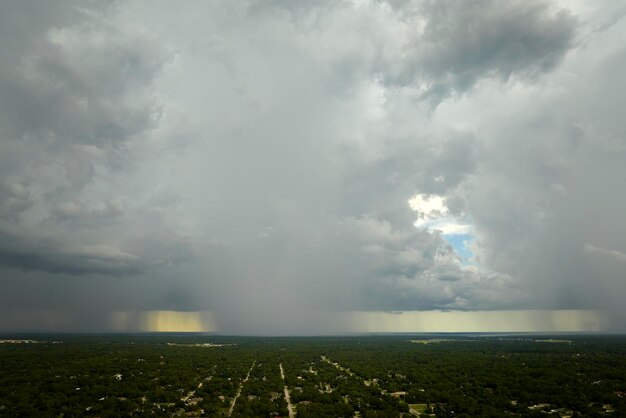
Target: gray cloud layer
point(256, 158)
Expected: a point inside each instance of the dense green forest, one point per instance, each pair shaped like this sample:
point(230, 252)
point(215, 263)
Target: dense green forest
point(366, 376)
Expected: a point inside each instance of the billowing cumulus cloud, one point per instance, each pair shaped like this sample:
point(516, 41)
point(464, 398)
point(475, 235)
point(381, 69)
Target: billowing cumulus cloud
point(275, 163)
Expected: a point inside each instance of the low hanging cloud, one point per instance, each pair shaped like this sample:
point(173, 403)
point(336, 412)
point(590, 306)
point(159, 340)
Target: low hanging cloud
point(603, 252)
point(255, 159)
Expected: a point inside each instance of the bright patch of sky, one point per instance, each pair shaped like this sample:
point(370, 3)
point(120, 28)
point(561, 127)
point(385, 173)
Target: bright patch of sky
point(461, 244)
point(434, 215)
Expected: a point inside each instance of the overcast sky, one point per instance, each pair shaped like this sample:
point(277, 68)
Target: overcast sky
point(277, 162)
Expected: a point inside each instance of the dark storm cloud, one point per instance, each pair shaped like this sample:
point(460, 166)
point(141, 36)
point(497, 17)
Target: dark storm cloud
point(256, 158)
point(49, 255)
point(75, 97)
point(462, 43)
point(82, 85)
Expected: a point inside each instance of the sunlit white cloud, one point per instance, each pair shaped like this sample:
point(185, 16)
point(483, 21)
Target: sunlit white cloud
point(433, 214)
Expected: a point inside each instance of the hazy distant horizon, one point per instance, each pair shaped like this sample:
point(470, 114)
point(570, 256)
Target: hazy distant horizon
point(337, 323)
